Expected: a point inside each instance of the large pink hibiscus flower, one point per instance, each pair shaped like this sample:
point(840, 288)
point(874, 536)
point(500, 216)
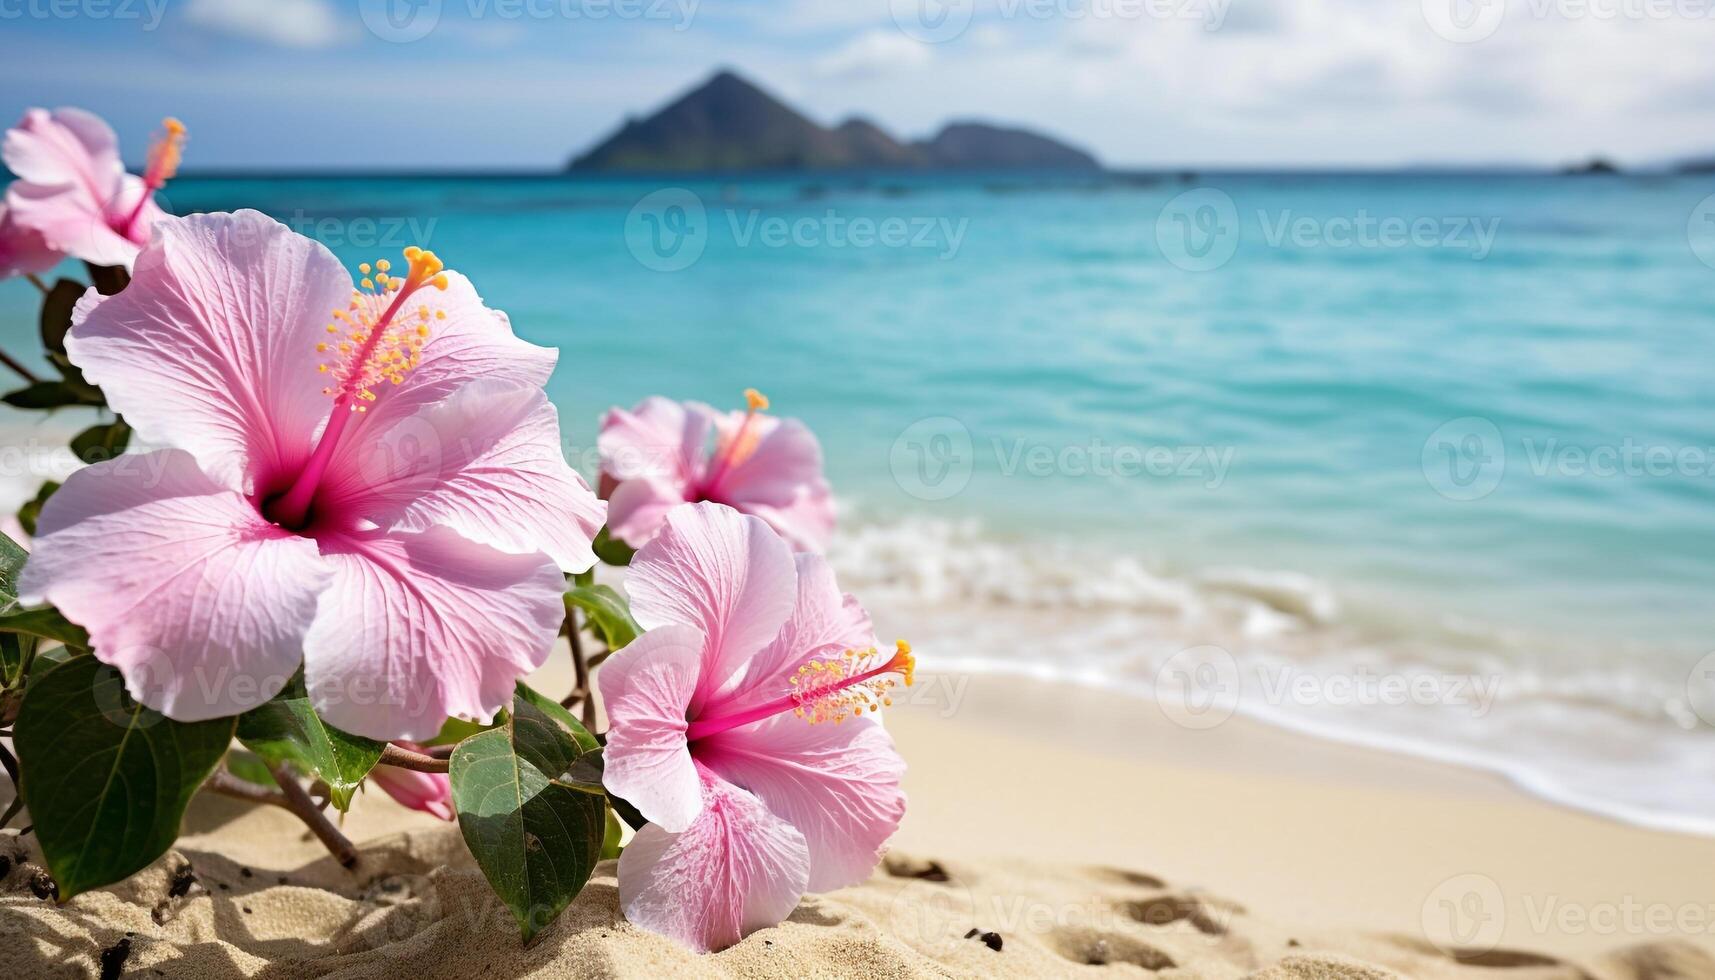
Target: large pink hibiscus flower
point(657, 456)
point(367, 481)
point(736, 728)
point(73, 190)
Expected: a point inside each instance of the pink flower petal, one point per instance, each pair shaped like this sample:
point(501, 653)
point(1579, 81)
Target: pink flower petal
point(430, 792)
point(824, 623)
point(211, 349)
point(837, 784)
point(735, 870)
point(419, 626)
point(471, 342)
point(637, 509)
point(724, 573)
point(658, 438)
point(200, 603)
point(807, 523)
point(779, 481)
point(70, 222)
point(485, 461)
point(646, 688)
point(64, 147)
point(23, 250)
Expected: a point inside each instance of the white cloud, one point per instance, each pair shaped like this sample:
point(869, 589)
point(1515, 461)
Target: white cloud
point(283, 23)
point(874, 53)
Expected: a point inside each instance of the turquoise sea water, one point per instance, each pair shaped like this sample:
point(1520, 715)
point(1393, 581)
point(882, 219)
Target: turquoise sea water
point(1339, 428)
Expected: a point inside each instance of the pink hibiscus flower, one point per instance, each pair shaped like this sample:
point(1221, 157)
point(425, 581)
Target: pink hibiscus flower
point(657, 456)
point(718, 731)
point(367, 481)
point(22, 250)
point(73, 190)
point(430, 792)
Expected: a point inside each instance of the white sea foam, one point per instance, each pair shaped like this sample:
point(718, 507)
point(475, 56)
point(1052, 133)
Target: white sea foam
point(1617, 737)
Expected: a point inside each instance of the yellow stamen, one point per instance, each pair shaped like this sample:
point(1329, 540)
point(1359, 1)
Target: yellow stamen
point(757, 401)
point(382, 335)
point(833, 689)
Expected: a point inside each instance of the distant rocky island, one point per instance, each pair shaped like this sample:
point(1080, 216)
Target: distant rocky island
point(728, 124)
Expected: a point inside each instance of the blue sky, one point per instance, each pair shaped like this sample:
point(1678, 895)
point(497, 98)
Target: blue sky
point(526, 83)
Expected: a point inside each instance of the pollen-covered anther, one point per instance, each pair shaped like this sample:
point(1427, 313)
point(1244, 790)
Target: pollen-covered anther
point(383, 338)
point(850, 685)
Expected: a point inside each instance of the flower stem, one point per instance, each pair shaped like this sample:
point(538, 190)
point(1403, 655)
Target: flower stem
point(19, 369)
point(584, 692)
point(402, 758)
point(36, 281)
point(291, 797)
point(299, 802)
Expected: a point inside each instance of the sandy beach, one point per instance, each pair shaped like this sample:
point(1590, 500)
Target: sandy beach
point(1125, 844)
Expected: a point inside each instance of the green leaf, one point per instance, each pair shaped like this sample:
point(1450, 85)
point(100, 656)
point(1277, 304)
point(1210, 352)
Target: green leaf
point(48, 624)
point(106, 780)
point(28, 513)
point(610, 847)
point(249, 767)
point(12, 558)
point(612, 550)
point(287, 729)
point(456, 730)
point(16, 650)
point(54, 394)
point(535, 840)
point(56, 313)
point(101, 442)
point(608, 612)
point(108, 279)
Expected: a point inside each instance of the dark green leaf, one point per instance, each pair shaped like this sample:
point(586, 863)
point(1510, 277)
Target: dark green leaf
point(56, 314)
point(108, 279)
point(46, 660)
point(106, 780)
point(53, 394)
point(28, 513)
point(612, 550)
point(15, 650)
point(12, 558)
point(101, 442)
point(609, 614)
point(287, 729)
point(46, 623)
point(535, 840)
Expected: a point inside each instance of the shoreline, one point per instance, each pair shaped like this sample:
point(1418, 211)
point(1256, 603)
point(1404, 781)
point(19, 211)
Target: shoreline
point(1304, 830)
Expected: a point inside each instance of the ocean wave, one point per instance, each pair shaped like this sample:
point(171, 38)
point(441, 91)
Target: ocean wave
point(1618, 737)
